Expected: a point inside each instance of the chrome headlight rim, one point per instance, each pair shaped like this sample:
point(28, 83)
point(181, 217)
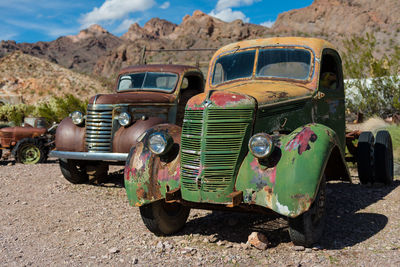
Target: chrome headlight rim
point(124, 119)
point(261, 139)
point(159, 143)
point(77, 117)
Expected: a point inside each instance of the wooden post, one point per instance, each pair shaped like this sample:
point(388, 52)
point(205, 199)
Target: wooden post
point(143, 57)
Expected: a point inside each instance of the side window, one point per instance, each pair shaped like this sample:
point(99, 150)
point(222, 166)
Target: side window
point(191, 86)
point(331, 72)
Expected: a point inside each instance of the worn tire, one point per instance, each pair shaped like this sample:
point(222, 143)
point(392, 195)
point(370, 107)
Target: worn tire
point(307, 228)
point(30, 151)
point(163, 218)
point(365, 158)
point(74, 171)
point(383, 156)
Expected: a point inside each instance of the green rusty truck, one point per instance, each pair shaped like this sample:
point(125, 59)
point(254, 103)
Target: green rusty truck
point(266, 135)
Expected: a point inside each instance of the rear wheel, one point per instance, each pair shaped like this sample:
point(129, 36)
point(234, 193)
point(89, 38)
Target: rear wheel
point(365, 157)
point(74, 170)
point(383, 158)
point(307, 228)
point(163, 218)
point(30, 151)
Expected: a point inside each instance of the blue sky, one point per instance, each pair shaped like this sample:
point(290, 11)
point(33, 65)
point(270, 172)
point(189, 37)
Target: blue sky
point(44, 20)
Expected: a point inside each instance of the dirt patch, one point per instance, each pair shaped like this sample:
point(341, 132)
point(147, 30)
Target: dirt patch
point(47, 221)
point(371, 124)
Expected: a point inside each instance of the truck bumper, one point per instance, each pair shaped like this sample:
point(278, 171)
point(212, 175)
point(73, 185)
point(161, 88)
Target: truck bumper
point(89, 155)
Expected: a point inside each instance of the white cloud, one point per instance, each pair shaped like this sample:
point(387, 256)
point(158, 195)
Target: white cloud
point(224, 4)
point(124, 26)
point(229, 15)
point(268, 23)
point(51, 30)
point(223, 10)
point(165, 5)
point(112, 10)
point(7, 36)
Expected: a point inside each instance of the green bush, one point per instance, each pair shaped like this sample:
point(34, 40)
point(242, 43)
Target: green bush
point(60, 107)
point(15, 113)
point(374, 80)
point(56, 109)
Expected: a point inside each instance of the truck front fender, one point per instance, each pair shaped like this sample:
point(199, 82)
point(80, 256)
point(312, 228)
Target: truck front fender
point(70, 137)
point(287, 182)
point(148, 176)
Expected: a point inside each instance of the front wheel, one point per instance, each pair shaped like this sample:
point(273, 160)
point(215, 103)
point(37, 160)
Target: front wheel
point(74, 171)
point(307, 228)
point(163, 218)
point(30, 151)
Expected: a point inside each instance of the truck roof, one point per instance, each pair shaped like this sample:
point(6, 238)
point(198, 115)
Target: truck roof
point(159, 68)
point(315, 44)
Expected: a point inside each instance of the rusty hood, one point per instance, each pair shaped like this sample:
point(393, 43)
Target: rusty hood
point(268, 92)
point(130, 97)
point(219, 99)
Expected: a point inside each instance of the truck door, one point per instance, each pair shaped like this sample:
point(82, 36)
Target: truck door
point(329, 108)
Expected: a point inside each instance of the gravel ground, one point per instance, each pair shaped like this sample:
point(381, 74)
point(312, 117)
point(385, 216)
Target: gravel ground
point(47, 221)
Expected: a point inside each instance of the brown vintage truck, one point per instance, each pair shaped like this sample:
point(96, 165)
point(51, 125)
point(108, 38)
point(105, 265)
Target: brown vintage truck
point(145, 96)
point(29, 143)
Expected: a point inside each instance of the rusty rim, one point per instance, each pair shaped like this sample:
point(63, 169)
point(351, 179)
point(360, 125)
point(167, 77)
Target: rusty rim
point(29, 154)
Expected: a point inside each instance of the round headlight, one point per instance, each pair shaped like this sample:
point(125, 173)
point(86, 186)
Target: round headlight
point(77, 117)
point(261, 145)
point(160, 143)
point(124, 119)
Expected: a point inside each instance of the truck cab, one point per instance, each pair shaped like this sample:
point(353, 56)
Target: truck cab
point(145, 96)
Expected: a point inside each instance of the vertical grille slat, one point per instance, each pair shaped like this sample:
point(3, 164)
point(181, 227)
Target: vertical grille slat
point(209, 153)
point(99, 128)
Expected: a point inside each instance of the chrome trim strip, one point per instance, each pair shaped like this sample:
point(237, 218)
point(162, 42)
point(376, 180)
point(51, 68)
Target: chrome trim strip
point(89, 155)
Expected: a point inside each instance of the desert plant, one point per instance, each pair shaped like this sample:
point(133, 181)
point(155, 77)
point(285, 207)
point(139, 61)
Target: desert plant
point(373, 84)
point(15, 113)
point(60, 107)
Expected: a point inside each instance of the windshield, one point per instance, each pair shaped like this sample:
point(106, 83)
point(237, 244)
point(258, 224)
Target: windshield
point(148, 81)
point(234, 66)
point(284, 63)
point(287, 63)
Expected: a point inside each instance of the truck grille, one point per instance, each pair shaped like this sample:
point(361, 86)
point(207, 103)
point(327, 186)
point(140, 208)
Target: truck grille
point(210, 146)
point(99, 128)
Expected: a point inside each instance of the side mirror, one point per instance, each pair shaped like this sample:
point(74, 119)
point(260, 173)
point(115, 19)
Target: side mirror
point(185, 84)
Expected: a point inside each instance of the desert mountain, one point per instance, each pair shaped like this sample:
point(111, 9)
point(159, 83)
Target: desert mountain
point(197, 31)
point(36, 79)
point(79, 52)
point(336, 19)
point(95, 50)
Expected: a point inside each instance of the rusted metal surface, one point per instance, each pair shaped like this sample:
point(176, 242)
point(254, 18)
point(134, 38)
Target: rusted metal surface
point(70, 137)
point(289, 184)
point(149, 177)
point(305, 120)
point(134, 98)
point(125, 138)
point(102, 130)
point(218, 99)
point(9, 136)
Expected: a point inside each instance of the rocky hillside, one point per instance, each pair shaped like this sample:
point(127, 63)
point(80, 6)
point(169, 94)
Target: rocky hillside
point(79, 52)
point(97, 51)
point(335, 19)
point(36, 79)
point(197, 31)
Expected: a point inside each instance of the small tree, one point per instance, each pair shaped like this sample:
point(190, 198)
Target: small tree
point(374, 85)
point(60, 107)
